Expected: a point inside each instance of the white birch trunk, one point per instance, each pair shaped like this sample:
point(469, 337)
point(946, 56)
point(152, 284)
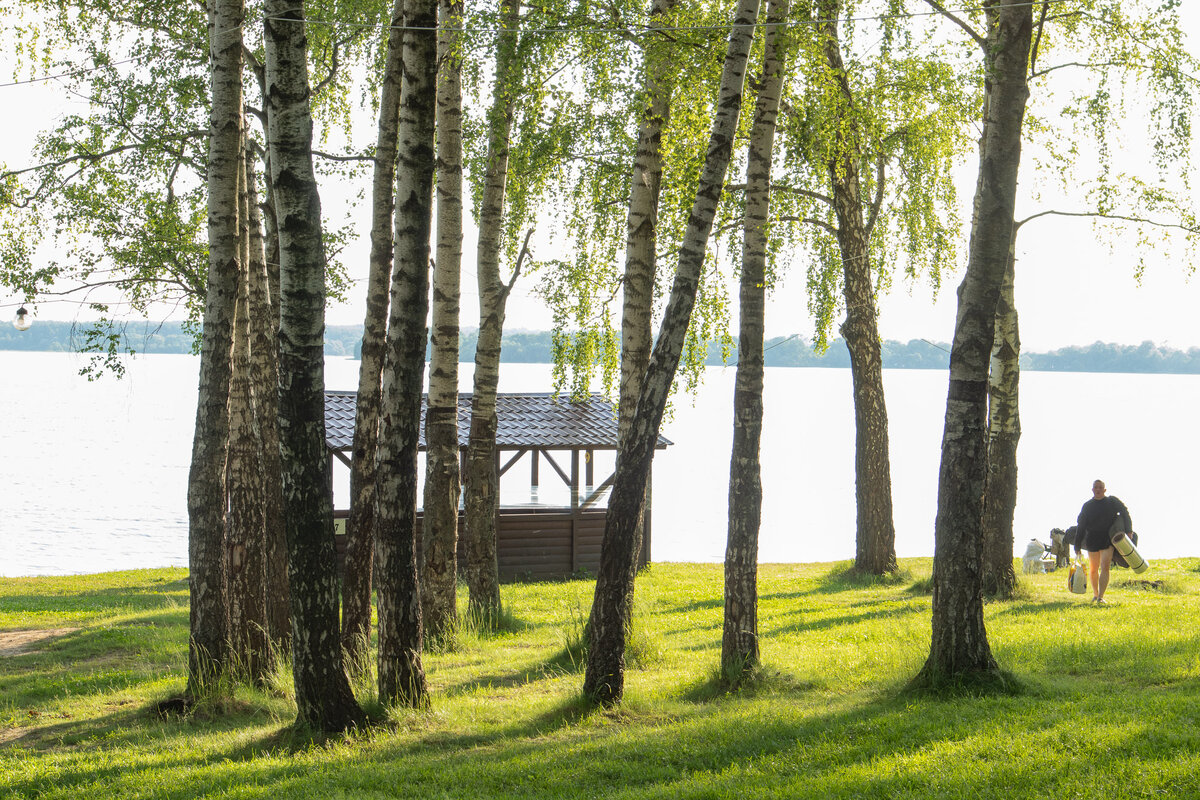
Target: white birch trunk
point(323, 697)
point(264, 353)
point(1004, 432)
point(641, 241)
point(481, 480)
point(247, 498)
point(401, 633)
point(360, 529)
point(605, 677)
point(959, 649)
point(209, 609)
point(442, 478)
point(739, 640)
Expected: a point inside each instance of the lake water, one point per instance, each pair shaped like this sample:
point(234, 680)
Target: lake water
point(93, 476)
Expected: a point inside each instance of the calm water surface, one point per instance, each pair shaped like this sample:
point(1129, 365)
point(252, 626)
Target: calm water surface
point(93, 476)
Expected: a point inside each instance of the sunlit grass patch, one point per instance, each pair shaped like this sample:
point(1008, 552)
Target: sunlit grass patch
point(825, 715)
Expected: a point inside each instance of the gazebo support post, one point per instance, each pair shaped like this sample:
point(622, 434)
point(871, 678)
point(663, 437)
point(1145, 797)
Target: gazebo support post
point(574, 480)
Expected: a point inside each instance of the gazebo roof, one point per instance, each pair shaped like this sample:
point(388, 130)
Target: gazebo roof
point(525, 421)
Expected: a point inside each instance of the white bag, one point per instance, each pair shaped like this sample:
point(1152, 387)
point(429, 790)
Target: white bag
point(1077, 577)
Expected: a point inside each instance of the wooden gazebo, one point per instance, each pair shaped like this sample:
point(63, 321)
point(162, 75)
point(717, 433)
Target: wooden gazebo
point(534, 540)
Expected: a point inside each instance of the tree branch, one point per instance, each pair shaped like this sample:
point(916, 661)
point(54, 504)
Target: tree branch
point(334, 61)
point(820, 223)
point(92, 158)
point(877, 203)
point(332, 157)
point(966, 26)
point(520, 260)
point(780, 187)
point(1114, 217)
point(1037, 40)
point(1079, 64)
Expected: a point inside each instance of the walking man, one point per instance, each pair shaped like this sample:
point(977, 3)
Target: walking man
point(1099, 519)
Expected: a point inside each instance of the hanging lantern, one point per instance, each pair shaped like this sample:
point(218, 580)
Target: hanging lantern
point(23, 319)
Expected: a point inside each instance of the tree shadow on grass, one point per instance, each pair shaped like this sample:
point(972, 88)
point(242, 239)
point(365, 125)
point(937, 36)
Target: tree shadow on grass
point(877, 748)
point(1026, 608)
point(94, 660)
point(841, 578)
point(697, 605)
point(846, 746)
point(678, 753)
point(893, 611)
point(565, 661)
point(112, 600)
point(749, 683)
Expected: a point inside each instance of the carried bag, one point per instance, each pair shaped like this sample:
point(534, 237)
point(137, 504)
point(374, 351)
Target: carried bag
point(1077, 577)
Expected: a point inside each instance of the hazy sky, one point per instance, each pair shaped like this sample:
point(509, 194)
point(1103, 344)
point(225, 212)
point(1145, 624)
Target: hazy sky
point(1073, 286)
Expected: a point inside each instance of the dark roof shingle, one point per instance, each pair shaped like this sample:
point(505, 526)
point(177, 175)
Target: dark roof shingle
point(524, 421)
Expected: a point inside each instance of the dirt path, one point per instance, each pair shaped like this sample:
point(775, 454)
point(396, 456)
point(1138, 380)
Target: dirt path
point(18, 643)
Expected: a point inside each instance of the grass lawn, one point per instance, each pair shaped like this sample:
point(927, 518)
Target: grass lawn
point(1109, 705)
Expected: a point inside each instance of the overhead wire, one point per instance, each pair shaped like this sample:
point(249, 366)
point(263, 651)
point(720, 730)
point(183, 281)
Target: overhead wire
point(642, 28)
point(71, 74)
point(657, 28)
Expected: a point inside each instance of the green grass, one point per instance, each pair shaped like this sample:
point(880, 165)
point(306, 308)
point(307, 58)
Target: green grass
point(1109, 704)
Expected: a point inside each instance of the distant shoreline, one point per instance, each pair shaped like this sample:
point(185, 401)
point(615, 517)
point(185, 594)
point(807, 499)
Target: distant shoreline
point(536, 347)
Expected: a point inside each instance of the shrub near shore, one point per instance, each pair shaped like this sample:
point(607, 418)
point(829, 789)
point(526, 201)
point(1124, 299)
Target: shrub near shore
point(1105, 709)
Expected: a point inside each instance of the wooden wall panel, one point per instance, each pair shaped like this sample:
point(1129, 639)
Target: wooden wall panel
point(546, 545)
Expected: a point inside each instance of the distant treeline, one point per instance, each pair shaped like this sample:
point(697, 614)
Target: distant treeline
point(138, 337)
point(534, 347)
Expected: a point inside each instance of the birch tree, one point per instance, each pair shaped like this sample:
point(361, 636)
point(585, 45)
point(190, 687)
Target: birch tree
point(247, 491)
point(739, 640)
point(1004, 432)
point(871, 137)
point(517, 148)
point(264, 354)
point(875, 541)
point(639, 72)
point(360, 527)
point(481, 482)
point(442, 472)
point(604, 678)
point(1131, 50)
point(209, 609)
point(641, 237)
point(959, 650)
point(323, 696)
point(401, 633)
point(111, 216)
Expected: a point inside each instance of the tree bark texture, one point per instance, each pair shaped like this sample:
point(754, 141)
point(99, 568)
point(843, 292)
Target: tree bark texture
point(1004, 432)
point(959, 649)
point(739, 639)
point(604, 680)
point(360, 527)
point(324, 699)
point(264, 353)
point(247, 493)
point(209, 608)
point(481, 483)
point(271, 246)
point(875, 538)
point(442, 479)
point(401, 675)
point(641, 240)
